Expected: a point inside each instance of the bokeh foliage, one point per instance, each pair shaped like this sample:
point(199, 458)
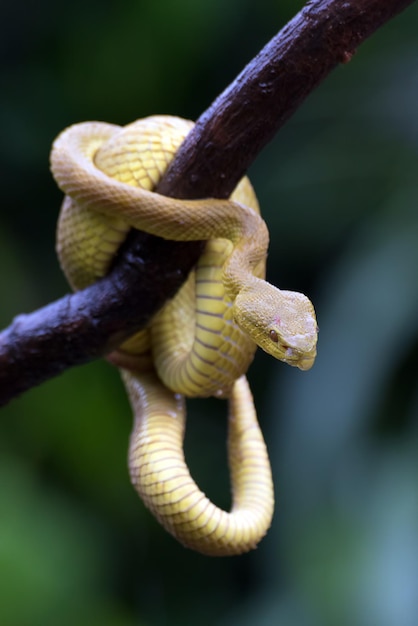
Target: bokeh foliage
point(338, 188)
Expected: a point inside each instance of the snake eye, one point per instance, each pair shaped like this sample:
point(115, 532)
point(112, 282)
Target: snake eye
point(274, 336)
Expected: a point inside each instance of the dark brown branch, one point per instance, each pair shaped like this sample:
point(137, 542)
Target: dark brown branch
point(226, 140)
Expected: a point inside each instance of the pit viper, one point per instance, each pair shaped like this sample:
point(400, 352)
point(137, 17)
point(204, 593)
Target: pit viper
point(203, 340)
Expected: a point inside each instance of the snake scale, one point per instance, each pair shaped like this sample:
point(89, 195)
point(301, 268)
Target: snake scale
point(202, 341)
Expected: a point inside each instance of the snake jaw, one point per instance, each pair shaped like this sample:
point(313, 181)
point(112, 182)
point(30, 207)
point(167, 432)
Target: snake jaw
point(306, 363)
point(301, 357)
point(303, 361)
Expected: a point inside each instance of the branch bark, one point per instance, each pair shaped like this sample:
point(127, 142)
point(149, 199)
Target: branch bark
point(216, 154)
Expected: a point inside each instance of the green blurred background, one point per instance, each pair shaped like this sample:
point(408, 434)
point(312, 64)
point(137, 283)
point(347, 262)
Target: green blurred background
point(338, 188)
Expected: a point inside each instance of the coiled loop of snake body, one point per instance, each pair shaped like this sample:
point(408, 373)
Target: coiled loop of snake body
point(203, 341)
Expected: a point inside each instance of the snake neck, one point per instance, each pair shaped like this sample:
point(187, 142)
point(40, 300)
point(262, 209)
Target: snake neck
point(243, 275)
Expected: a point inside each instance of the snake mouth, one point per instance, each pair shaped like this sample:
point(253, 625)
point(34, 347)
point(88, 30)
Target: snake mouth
point(303, 362)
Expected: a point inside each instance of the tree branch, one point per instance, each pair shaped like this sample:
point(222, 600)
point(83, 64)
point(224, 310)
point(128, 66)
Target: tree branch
point(215, 155)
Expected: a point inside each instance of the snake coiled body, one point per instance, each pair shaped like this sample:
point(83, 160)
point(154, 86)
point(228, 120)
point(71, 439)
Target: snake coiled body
point(203, 341)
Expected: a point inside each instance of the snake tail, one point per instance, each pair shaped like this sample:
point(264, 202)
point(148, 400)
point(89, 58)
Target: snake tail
point(161, 477)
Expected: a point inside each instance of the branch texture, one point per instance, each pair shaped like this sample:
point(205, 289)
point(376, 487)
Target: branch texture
point(216, 154)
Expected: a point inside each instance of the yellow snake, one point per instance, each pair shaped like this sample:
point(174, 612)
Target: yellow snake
point(202, 342)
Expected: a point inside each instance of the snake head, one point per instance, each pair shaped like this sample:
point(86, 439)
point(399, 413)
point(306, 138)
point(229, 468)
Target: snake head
point(282, 323)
